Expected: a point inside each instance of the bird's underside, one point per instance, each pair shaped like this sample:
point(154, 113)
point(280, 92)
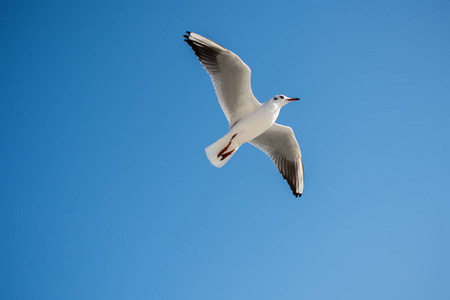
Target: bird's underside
point(231, 80)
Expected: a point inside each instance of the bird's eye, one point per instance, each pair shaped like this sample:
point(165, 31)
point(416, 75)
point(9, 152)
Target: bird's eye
point(275, 98)
point(282, 97)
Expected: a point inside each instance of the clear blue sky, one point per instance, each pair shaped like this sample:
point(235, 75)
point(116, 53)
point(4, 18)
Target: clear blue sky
point(106, 192)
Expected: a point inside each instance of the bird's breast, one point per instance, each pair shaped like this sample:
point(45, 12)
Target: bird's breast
point(254, 124)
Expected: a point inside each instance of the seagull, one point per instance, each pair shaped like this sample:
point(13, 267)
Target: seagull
point(249, 120)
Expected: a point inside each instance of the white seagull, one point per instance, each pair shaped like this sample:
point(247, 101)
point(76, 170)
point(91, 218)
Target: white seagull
point(250, 121)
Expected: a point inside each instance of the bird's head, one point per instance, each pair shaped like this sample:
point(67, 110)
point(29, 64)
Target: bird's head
point(282, 100)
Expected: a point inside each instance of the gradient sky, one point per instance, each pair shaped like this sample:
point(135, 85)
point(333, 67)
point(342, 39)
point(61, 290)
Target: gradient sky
point(106, 192)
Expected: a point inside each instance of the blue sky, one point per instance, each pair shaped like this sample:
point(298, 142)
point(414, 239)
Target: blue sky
point(106, 192)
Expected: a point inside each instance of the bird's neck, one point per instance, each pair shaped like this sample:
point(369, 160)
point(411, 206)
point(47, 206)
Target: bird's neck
point(273, 108)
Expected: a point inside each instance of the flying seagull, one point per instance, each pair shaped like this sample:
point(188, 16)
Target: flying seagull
point(250, 121)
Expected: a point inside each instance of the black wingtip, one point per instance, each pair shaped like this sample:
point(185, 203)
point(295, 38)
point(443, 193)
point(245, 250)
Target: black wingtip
point(188, 32)
point(186, 36)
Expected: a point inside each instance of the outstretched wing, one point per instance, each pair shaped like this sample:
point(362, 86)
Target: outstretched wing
point(229, 74)
point(279, 143)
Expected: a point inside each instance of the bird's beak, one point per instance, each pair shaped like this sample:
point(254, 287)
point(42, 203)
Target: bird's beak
point(293, 99)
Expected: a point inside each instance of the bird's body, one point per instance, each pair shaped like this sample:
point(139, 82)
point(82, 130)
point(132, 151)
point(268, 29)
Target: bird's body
point(245, 130)
point(250, 121)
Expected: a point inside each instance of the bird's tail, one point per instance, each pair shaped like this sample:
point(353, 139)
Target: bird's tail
point(221, 151)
